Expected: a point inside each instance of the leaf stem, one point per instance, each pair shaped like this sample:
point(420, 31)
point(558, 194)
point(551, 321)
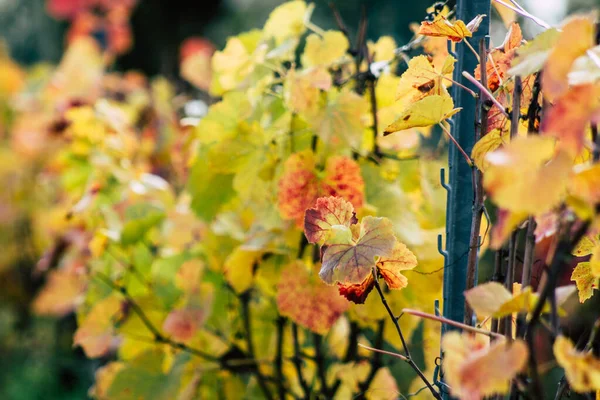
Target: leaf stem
point(389, 353)
point(447, 321)
point(462, 151)
point(409, 359)
point(485, 92)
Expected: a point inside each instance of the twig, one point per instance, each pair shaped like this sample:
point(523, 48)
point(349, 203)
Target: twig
point(458, 146)
point(389, 353)
point(320, 361)
point(157, 335)
point(245, 303)
point(596, 142)
point(279, 376)
point(516, 107)
point(561, 256)
point(447, 321)
point(405, 347)
point(521, 11)
point(371, 84)
point(485, 92)
point(376, 362)
point(298, 362)
point(478, 191)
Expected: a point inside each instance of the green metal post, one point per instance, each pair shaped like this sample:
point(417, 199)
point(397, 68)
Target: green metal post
point(460, 189)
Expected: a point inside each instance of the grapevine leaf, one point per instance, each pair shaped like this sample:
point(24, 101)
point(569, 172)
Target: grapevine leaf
point(476, 369)
point(327, 213)
point(307, 301)
point(422, 79)
point(441, 27)
point(576, 38)
point(488, 143)
point(581, 368)
point(523, 176)
point(585, 281)
point(500, 59)
point(352, 263)
point(298, 186)
point(570, 115)
point(428, 111)
point(390, 268)
point(95, 333)
point(326, 50)
point(532, 56)
point(287, 21)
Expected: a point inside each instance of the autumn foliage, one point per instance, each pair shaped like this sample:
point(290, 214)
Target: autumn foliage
point(254, 250)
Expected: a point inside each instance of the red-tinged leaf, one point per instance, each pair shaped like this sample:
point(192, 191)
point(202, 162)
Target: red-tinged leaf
point(298, 187)
point(500, 59)
point(182, 325)
point(328, 211)
point(390, 268)
point(308, 301)
point(357, 292)
point(343, 179)
point(570, 115)
point(351, 263)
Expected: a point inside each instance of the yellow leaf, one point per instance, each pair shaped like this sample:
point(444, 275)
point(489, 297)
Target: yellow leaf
point(524, 178)
point(576, 38)
point(474, 369)
point(488, 143)
point(302, 90)
point(487, 298)
point(95, 332)
point(428, 111)
point(239, 269)
point(287, 21)
point(532, 56)
point(585, 281)
point(585, 183)
point(384, 49)
point(326, 50)
point(582, 369)
point(234, 64)
point(421, 79)
point(441, 27)
point(60, 295)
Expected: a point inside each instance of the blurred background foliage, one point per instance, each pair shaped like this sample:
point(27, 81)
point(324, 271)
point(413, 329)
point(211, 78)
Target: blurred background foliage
point(36, 354)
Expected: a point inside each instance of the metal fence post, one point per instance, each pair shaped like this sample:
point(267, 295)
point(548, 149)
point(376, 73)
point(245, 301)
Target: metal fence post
point(460, 189)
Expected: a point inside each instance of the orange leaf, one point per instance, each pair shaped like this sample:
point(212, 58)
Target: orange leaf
point(441, 27)
point(308, 301)
point(568, 118)
point(343, 179)
point(390, 268)
point(182, 325)
point(357, 292)
point(576, 38)
point(501, 58)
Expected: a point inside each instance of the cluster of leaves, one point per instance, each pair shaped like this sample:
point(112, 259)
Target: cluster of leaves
point(234, 255)
point(179, 242)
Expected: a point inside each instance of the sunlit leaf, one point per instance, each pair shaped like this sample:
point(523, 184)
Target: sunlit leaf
point(582, 369)
point(352, 263)
point(576, 38)
point(428, 111)
point(523, 176)
point(441, 27)
point(327, 213)
point(586, 282)
point(325, 50)
point(95, 333)
point(475, 369)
